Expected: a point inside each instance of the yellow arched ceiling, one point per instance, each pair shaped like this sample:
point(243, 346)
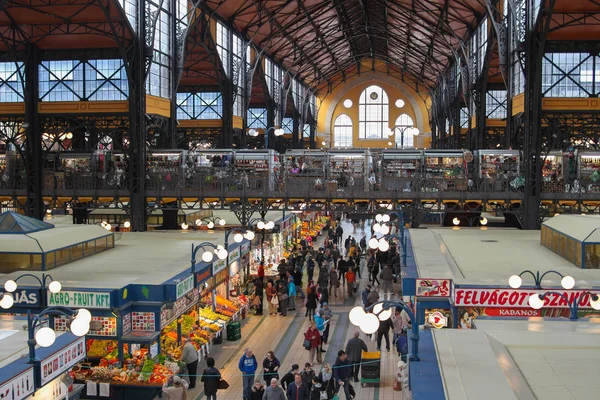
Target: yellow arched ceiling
point(330, 107)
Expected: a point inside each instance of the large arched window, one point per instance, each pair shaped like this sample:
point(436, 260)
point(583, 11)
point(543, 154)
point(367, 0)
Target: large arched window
point(403, 122)
point(342, 131)
point(373, 114)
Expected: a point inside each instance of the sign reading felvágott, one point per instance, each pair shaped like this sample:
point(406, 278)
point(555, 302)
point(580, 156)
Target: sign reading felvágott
point(80, 299)
point(185, 286)
point(511, 298)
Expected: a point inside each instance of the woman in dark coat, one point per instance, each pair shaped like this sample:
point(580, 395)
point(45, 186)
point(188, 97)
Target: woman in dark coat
point(311, 303)
point(271, 367)
point(211, 377)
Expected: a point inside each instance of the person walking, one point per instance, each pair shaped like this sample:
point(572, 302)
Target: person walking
point(327, 314)
point(354, 349)
point(282, 295)
point(311, 302)
point(189, 356)
point(314, 338)
point(258, 390)
point(178, 389)
point(308, 373)
point(271, 367)
point(372, 297)
point(342, 371)
point(334, 282)
point(248, 366)
point(342, 269)
point(398, 325)
point(365, 294)
point(297, 275)
point(271, 292)
point(289, 377)
point(320, 324)
point(274, 392)
point(326, 377)
point(310, 267)
point(211, 377)
point(291, 294)
point(363, 244)
point(375, 271)
point(323, 279)
point(387, 280)
point(316, 388)
point(351, 279)
point(297, 389)
point(384, 332)
point(259, 293)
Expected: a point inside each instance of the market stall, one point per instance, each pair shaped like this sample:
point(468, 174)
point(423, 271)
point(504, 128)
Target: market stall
point(312, 223)
point(399, 168)
point(349, 170)
point(256, 169)
point(558, 170)
point(305, 170)
point(497, 168)
point(207, 169)
point(589, 171)
point(444, 170)
point(165, 169)
point(10, 167)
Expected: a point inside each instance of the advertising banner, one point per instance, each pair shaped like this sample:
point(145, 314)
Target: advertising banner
point(19, 387)
point(515, 298)
point(80, 299)
point(61, 361)
point(434, 287)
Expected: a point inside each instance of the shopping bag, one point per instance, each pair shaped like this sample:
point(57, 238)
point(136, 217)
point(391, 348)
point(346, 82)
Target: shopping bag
point(352, 391)
point(275, 301)
point(319, 357)
point(307, 344)
point(222, 384)
point(397, 385)
point(335, 397)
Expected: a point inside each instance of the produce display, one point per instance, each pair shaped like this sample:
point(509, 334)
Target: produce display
point(100, 348)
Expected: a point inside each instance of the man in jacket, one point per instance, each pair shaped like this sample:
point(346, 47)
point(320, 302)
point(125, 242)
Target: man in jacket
point(372, 297)
point(354, 349)
point(342, 370)
point(248, 366)
point(327, 314)
point(297, 390)
point(189, 355)
point(365, 295)
point(387, 281)
point(384, 331)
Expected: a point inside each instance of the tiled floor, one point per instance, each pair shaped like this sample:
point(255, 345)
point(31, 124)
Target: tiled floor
point(284, 335)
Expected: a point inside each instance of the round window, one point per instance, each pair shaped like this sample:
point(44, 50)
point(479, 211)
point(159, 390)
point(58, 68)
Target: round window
point(374, 95)
point(399, 103)
point(347, 103)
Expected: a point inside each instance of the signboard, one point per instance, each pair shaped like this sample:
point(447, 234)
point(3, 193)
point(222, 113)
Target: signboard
point(515, 298)
point(55, 390)
point(257, 164)
point(245, 248)
point(19, 387)
point(62, 360)
point(234, 255)
point(78, 299)
point(25, 298)
point(185, 286)
point(437, 320)
point(434, 287)
point(203, 275)
point(219, 266)
point(234, 268)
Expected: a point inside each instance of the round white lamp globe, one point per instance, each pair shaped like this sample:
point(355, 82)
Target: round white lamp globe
point(385, 314)
point(7, 301)
point(80, 327)
point(567, 282)
point(210, 225)
point(385, 218)
point(184, 226)
point(373, 243)
point(595, 303)
point(270, 225)
point(222, 222)
point(356, 315)
point(10, 286)
point(54, 287)
point(260, 225)
point(377, 308)
point(207, 256)
point(249, 235)
point(384, 229)
point(238, 237)
point(369, 324)
point(456, 221)
point(45, 337)
point(383, 245)
point(108, 227)
point(127, 224)
point(515, 281)
point(535, 301)
point(376, 228)
point(198, 222)
point(222, 254)
point(84, 315)
point(483, 221)
point(379, 218)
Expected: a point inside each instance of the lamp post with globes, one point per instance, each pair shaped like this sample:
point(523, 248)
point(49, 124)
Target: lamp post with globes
point(381, 226)
point(410, 130)
point(79, 324)
point(367, 319)
point(277, 131)
point(47, 283)
point(239, 235)
point(207, 256)
point(515, 281)
point(537, 301)
point(210, 222)
point(263, 227)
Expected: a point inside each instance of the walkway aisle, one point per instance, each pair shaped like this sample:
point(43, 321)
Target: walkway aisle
point(284, 335)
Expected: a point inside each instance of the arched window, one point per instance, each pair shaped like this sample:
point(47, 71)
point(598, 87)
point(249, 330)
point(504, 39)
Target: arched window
point(403, 122)
point(373, 114)
point(342, 131)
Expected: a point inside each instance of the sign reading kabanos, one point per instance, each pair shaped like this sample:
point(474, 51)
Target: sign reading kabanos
point(507, 298)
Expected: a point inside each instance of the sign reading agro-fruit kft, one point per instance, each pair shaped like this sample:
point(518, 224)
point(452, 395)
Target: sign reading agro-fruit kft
point(80, 299)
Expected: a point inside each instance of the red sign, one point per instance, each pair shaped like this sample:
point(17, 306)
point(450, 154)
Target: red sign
point(515, 298)
point(434, 288)
point(513, 312)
